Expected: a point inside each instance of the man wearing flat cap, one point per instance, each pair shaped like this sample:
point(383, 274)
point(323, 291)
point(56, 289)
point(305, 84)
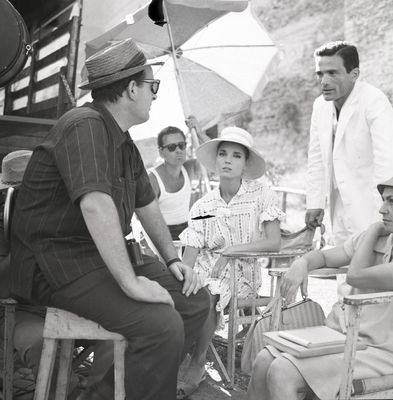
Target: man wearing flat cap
point(73, 210)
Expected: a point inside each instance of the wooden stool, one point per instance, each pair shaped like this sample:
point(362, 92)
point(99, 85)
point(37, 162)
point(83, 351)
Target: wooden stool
point(63, 327)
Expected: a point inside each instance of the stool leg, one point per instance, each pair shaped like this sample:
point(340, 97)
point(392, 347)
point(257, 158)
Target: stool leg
point(8, 373)
point(45, 371)
point(67, 346)
point(232, 325)
point(119, 349)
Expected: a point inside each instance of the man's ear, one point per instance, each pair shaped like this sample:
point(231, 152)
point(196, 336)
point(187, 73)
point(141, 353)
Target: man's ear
point(355, 74)
point(132, 90)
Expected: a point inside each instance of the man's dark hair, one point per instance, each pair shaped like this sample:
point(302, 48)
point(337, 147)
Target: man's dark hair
point(346, 51)
point(111, 93)
point(169, 130)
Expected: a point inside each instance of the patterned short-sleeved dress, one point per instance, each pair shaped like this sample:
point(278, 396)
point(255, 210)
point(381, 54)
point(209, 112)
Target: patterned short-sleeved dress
point(238, 222)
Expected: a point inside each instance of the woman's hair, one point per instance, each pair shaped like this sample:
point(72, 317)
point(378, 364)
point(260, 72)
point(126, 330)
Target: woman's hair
point(111, 93)
point(169, 130)
point(246, 151)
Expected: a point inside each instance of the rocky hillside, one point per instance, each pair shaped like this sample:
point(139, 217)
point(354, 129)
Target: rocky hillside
point(280, 121)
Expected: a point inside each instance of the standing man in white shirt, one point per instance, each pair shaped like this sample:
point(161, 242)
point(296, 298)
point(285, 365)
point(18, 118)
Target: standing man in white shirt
point(351, 144)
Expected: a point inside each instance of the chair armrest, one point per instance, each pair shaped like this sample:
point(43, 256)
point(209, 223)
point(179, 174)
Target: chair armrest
point(277, 272)
point(316, 272)
point(368, 298)
point(272, 254)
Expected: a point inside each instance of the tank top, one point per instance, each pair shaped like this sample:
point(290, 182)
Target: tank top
point(174, 206)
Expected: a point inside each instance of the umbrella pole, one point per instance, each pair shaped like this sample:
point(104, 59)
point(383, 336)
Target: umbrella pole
point(183, 94)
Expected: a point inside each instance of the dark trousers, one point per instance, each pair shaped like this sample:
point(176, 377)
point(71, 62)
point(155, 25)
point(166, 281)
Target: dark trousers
point(157, 334)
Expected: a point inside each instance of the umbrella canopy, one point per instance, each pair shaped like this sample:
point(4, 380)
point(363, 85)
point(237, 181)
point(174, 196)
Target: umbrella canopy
point(223, 68)
point(186, 17)
point(214, 68)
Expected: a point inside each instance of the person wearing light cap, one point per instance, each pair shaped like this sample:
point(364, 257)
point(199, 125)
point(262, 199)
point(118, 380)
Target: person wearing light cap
point(239, 215)
point(73, 210)
point(369, 255)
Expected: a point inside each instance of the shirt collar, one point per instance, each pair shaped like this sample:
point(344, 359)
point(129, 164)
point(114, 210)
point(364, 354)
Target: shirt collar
point(242, 189)
point(118, 135)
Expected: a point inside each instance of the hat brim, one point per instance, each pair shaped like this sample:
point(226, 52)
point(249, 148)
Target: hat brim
point(381, 186)
point(206, 154)
point(117, 76)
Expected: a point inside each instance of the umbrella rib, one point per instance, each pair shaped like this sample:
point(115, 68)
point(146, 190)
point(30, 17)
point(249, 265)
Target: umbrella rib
point(229, 46)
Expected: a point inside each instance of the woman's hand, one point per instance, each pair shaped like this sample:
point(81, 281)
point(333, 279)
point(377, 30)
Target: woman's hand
point(296, 276)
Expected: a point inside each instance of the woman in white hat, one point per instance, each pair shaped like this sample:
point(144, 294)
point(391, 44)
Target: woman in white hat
point(240, 215)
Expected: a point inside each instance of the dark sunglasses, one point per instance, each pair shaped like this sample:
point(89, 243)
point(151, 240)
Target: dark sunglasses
point(172, 146)
point(154, 84)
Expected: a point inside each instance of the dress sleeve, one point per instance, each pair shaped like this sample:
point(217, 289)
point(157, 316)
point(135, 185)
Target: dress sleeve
point(194, 234)
point(270, 209)
point(352, 243)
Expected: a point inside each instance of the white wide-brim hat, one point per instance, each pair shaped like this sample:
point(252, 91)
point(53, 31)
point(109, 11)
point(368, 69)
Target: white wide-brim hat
point(206, 153)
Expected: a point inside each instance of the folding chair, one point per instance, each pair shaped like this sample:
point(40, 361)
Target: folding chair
point(368, 388)
point(293, 245)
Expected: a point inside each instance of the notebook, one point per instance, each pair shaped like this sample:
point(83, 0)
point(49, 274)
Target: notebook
point(297, 350)
point(314, 336)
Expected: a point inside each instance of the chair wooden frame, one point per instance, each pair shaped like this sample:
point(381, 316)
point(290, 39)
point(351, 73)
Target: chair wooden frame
point(62, 328)
point(236, 304)
point(9, 306)
point(355, 304)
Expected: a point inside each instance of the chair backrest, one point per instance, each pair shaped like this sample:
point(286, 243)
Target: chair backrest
point(300, 240)
point(8, 210)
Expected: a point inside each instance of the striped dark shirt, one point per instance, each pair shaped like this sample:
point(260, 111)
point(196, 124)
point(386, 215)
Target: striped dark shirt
point(86, 151)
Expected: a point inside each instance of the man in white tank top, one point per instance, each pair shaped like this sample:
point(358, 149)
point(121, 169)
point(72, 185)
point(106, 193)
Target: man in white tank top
point(171, 179)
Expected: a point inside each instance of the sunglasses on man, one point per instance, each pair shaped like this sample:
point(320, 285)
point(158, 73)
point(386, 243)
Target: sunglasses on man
point(154, 84)
point(172, 146)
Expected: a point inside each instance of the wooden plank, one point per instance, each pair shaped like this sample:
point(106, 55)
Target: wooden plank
point(18, 128)
point(8, 372)
point(45, 83)
point(52, 57)
point(43, 105)
point(119, 350)
point(386, 394)
point(45, 371)
point(26, 120)
point(350, 352)
point(24, 73)
point(66, 348)
point(368, 298)
point(53, 35)
point(16, 94)
point(61, 324)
